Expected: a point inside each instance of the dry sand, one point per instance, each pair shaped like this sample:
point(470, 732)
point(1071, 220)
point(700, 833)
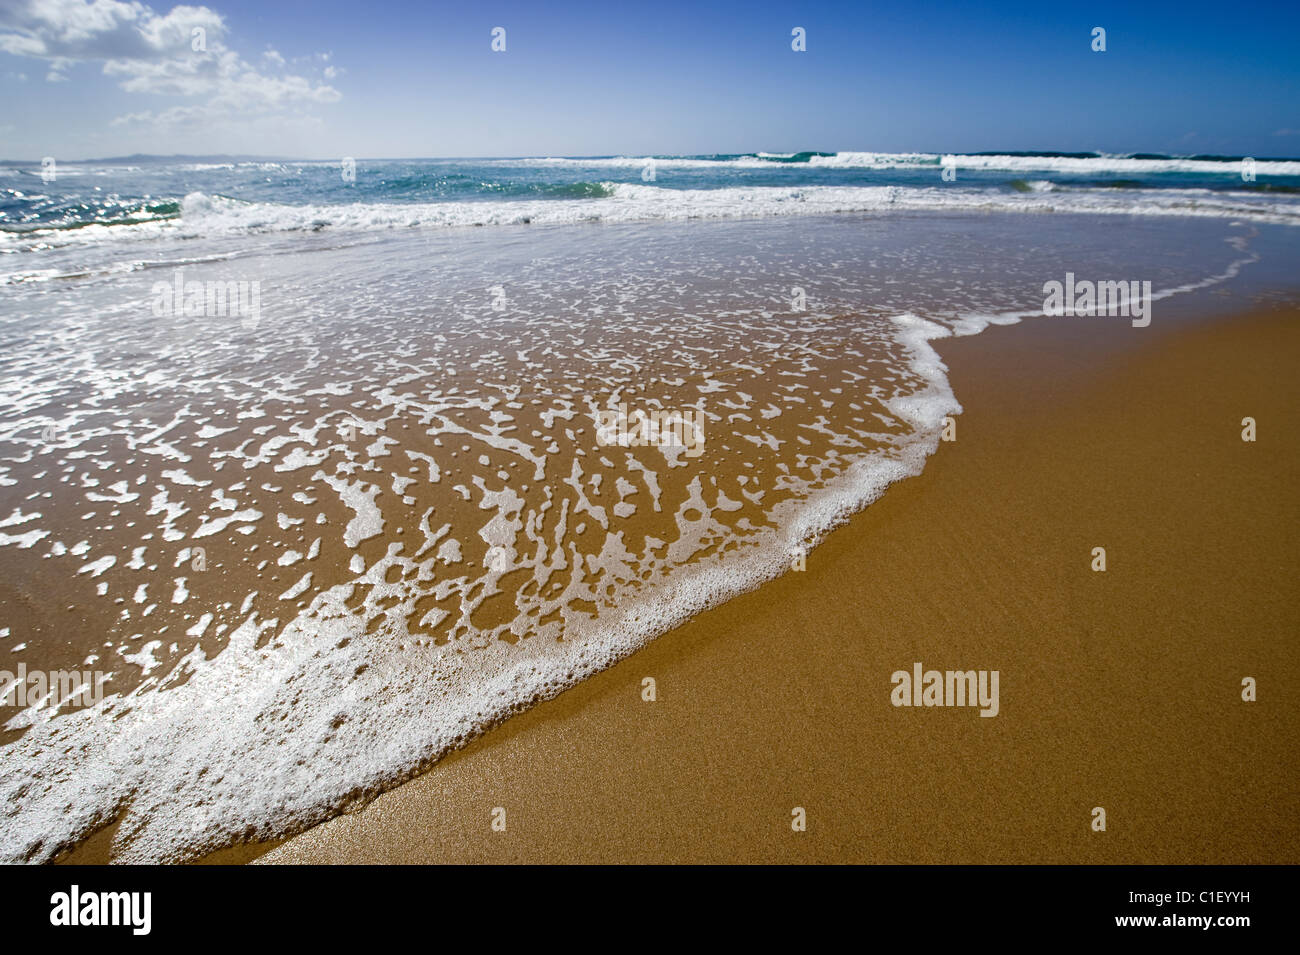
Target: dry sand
point(1119, 689)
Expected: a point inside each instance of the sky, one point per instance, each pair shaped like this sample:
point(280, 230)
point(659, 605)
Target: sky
point(400, 78)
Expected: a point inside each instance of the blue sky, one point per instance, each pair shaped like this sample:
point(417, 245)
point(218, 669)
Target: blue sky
point(323, 79)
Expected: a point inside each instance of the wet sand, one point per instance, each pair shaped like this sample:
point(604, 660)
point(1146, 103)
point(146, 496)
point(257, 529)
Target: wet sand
point(1119, 690)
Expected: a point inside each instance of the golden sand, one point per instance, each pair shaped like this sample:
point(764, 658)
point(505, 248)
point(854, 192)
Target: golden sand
point(1119, 690)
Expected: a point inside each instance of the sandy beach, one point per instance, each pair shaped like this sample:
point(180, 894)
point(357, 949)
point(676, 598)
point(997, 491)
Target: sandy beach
point(755, 435)
point(1120, 690)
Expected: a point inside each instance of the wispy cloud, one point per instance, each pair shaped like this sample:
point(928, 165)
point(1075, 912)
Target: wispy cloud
point(180, 53)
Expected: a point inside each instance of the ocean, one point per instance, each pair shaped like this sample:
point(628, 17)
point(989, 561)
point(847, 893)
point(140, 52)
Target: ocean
point(92, 202)
point(328, 467)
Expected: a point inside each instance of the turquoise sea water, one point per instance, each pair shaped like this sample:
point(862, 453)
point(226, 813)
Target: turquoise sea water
point(261, 194)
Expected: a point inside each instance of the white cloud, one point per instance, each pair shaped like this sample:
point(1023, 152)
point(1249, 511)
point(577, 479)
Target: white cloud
point(84, 30)
point(154, 53)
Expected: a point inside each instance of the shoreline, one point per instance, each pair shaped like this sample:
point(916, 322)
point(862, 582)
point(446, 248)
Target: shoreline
point(757, 712)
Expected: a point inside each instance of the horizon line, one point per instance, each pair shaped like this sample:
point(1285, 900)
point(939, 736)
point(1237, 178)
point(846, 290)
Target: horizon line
point(1042, 153)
